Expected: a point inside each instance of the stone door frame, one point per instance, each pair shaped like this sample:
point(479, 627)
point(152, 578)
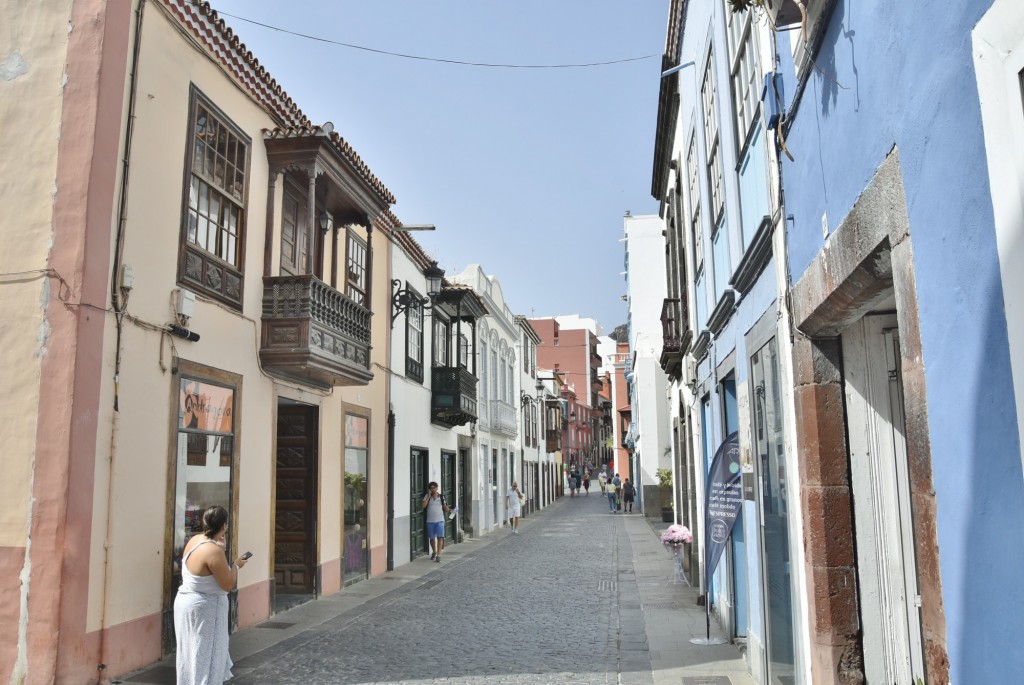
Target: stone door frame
point(867, 259)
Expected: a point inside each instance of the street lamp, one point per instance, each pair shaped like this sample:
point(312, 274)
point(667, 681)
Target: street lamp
point(403, 299)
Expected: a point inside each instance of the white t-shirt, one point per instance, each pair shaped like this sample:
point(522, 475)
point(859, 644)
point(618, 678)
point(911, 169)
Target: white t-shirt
point(513, 500)
point(435, 512)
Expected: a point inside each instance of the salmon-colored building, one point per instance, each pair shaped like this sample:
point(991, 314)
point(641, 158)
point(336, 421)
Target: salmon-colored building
point(188, 306)
point(572, 353)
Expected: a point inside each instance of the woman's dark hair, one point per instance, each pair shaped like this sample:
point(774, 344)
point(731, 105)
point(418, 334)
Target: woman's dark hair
point(214, 519)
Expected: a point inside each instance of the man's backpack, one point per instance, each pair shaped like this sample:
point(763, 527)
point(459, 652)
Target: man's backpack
point(627, 489)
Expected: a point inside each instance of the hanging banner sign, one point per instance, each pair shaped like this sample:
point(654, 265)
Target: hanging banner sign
point(723, 495)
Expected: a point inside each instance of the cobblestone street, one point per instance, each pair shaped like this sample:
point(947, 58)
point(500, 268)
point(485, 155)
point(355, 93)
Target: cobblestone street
point(555, 603)
point(579, 596)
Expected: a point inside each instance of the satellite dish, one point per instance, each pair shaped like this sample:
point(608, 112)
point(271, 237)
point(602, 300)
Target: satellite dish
point(328, 127)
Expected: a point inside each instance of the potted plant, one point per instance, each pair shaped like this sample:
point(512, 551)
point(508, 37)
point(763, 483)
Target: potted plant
point(665, 492)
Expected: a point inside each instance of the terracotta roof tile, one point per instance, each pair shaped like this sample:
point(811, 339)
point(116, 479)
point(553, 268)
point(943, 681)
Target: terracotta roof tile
point(207, 26)
point(339, 144)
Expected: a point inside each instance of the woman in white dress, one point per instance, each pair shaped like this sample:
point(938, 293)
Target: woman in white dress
point(201, 606)
point(514, 505)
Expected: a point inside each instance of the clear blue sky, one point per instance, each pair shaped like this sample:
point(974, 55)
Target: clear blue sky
point(527, 172)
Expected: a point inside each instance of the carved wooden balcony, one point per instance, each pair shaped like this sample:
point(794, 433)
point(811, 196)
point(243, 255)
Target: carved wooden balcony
point(452, 396)
point(314, 334)
point(553, 441)
point(675, 336)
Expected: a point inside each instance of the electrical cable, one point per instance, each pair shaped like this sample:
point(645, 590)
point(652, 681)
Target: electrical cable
point(435, 59)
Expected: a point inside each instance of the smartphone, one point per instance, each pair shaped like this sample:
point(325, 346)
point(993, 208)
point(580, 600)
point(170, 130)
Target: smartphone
point(247, 555)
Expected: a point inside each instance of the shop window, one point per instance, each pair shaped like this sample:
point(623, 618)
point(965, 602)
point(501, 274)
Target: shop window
point(355, 548)
point(204, 459)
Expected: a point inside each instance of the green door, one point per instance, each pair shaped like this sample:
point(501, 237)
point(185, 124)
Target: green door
point(448, 490)
point(417, 489)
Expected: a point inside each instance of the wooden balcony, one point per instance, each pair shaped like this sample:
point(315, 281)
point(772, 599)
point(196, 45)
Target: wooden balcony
point(452, 396)
point(314, 334)
point(675, 337)
point(553, 441)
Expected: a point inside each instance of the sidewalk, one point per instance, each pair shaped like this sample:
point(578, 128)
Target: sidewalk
point(672, 616)
point(646, 600)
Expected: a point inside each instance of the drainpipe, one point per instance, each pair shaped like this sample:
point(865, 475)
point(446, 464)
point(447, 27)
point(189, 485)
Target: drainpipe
point(117, 305)
point(391, 486)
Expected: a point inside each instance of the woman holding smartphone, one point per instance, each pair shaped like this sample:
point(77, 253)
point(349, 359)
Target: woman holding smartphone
point(201, 606)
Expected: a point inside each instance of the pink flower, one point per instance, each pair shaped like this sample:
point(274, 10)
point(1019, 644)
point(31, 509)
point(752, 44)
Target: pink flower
point(676, 535)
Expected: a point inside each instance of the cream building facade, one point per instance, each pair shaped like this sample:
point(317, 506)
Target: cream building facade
point(204, 323)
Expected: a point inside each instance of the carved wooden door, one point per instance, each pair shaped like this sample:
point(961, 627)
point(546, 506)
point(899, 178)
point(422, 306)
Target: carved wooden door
point(295, 502)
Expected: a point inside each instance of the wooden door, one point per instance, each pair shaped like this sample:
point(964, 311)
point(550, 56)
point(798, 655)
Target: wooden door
point(886, 568)
point(295, 500)
point(418, 516)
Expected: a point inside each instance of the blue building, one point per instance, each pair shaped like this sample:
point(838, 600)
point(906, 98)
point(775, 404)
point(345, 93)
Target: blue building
point(842, 189)
point(904, 243)
point(724, 322)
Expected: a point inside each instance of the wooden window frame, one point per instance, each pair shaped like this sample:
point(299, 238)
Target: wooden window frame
point(414, 366)
point(199, 269)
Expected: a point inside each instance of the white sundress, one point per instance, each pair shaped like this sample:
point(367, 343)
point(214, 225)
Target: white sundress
point(201, 629)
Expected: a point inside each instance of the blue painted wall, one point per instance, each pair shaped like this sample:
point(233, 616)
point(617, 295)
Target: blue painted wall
point(902, 75)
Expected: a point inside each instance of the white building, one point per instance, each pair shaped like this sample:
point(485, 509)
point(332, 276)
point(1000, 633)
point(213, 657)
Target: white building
point(645, 291)
point(433, 399)
point(497, 442)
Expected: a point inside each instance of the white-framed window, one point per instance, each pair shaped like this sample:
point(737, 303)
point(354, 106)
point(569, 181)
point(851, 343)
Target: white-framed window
point(693, 201)
point(744, 71)
point(709, 112)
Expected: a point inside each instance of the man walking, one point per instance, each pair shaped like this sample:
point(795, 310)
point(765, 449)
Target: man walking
point(617, 482)
point(436, 508)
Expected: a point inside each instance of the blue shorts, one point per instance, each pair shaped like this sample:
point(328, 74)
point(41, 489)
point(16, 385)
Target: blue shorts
point(435, 530)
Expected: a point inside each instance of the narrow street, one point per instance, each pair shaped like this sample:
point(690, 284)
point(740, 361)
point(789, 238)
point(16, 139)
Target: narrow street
point(578, 596)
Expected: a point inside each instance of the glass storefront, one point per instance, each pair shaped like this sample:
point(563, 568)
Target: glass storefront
point(355, 559)
point(771, 464)
point(205, 457)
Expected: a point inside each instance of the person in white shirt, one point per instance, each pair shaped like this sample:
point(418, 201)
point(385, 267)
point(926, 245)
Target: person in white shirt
point(514, 505)
point(436, 508)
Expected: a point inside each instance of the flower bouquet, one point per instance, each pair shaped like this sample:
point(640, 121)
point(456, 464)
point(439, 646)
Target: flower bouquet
point(673, 538)
point(675, 535)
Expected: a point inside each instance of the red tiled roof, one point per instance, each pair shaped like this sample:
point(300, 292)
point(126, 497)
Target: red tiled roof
point(207, 26)
point(339, 144)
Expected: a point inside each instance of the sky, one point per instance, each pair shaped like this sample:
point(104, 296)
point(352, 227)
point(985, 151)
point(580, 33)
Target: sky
point(525, 171)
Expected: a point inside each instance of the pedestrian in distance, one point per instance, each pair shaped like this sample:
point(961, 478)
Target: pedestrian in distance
point(628, 494)
point(201, 605)
point(602, 480)
point(586, 484)
point(612, 492)
point(572, 485)
point(514, 501)
point(436, 508)
point(617, 482)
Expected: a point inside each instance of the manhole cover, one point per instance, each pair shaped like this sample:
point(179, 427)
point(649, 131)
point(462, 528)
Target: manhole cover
point(431, 583)
point(663, 605)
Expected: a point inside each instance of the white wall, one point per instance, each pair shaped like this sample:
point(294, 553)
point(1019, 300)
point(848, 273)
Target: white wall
point(998, 59)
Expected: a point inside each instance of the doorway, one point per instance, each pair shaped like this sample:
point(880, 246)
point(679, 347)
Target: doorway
point(295, 504)
point(448, 492)
point(417, 514)
point(886, 567)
